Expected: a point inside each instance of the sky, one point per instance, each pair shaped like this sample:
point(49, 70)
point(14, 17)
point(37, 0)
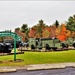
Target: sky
point(14, 14)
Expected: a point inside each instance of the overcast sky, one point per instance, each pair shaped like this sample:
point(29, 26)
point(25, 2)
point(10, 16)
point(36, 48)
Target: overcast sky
point(15, 13)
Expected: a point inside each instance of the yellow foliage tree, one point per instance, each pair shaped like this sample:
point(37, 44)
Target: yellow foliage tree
point(46, 34)
point(57, 31)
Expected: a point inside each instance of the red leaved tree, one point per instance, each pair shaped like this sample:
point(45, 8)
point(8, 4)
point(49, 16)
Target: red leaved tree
point(32, 32)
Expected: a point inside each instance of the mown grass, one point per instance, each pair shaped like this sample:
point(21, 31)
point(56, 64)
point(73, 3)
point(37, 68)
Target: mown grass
point(39, 58)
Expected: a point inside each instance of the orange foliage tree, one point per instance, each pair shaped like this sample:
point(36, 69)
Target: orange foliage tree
point(57, 31)
point(52, 31)
point(32, 32)
point(64, 33)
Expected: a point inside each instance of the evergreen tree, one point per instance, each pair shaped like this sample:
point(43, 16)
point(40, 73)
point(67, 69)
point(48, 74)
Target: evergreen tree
point(56, 23)
point(24, 28)
point(71, 23)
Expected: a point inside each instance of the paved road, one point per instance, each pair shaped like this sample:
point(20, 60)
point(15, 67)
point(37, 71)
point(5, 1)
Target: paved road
point(67, 71)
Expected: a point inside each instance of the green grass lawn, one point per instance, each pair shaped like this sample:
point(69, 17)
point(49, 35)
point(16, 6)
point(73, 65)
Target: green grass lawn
point(40, 58)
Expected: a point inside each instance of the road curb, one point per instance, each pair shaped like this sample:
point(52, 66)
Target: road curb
point(50, 66)
point(38, 67)
point(7, 70)
point(45, 67)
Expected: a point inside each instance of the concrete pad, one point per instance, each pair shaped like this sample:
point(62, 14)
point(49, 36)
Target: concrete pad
point(7, 70)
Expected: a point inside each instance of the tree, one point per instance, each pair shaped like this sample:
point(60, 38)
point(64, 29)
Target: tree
point(27, 32)
point(17, 29)
point(71, 23)
point(57, 31)
point(64, 33)
point(37, 30)
point(32, 32)
point(40, 26)
point(46, 34)
point(52, 31)
point(56, 23)
point(73, 35)
point(24, 28)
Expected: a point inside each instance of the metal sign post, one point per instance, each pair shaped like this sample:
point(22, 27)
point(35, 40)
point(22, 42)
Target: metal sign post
point(14, 49)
